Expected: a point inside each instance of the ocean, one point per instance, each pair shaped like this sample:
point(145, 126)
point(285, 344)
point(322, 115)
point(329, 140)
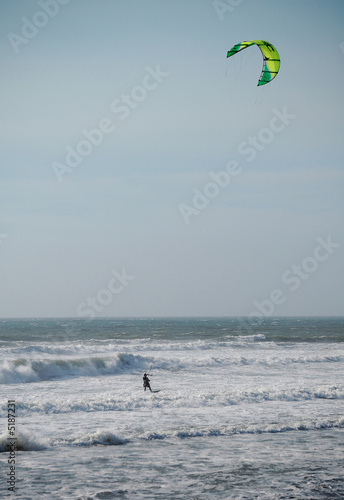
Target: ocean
point(246, 408)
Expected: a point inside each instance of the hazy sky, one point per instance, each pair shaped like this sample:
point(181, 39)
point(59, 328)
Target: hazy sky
point(144, 174)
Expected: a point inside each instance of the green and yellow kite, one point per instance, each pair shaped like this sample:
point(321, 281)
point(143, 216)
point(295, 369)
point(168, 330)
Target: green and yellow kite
point(271, 58)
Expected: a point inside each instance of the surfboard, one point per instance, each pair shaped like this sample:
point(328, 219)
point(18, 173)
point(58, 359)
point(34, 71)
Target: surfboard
point(158, 390)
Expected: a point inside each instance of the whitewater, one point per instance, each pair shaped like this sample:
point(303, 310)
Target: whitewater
point(245, 409)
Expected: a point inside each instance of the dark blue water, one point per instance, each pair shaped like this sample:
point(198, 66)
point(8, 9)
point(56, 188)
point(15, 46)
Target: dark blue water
point(273, 329)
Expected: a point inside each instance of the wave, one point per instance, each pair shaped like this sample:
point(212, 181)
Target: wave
point(100, 347)
point(310, 425)
point(170, 400)
point(260, 395)
point(23, 442)
point(85, 348)
point(28, 370)
point(99, 437)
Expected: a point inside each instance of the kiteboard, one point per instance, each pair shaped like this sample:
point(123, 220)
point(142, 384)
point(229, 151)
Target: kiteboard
point(157, 390)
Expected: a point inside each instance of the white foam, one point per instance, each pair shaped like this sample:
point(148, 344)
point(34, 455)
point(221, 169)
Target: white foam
point(99, 437)
point(169, 399)
point(23, 442)
point(34, 363)
point(28, 370)
point(229, 430)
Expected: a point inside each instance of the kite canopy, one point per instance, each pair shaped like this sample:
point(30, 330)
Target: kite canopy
point(271, 58)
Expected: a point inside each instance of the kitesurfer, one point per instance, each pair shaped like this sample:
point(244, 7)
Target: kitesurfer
point(146, 382)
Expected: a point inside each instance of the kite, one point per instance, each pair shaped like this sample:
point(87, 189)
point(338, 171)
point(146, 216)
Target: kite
point(271, 58)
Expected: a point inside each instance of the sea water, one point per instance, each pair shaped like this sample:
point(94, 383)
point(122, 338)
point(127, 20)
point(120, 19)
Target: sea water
point(246, 409)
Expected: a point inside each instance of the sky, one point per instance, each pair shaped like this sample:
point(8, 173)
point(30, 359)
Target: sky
point(145, 174)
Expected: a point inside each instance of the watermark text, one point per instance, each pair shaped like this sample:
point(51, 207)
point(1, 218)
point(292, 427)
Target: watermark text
point(222, 7)
point(116, 285)
point(30, 28)
point(122, 106)
point(249, 149)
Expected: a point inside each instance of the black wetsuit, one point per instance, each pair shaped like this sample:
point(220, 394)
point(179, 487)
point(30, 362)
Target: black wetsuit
point(146, 382)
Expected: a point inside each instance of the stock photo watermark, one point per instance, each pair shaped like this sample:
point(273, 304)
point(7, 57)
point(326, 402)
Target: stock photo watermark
point(116, 285)
point(293, 279)
point(30, 28)
point(221, 179)
point(122, 106)
point(222, 7)
point(11, 445)
point(3, 237)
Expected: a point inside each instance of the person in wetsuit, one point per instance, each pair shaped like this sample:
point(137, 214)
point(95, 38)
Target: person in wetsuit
point(146, 382)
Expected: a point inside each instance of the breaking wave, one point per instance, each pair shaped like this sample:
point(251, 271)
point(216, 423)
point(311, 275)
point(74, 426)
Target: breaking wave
point(99, 437)
point(310, 425)
point(23, 442)
point(28, 370)
point(171, 399)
